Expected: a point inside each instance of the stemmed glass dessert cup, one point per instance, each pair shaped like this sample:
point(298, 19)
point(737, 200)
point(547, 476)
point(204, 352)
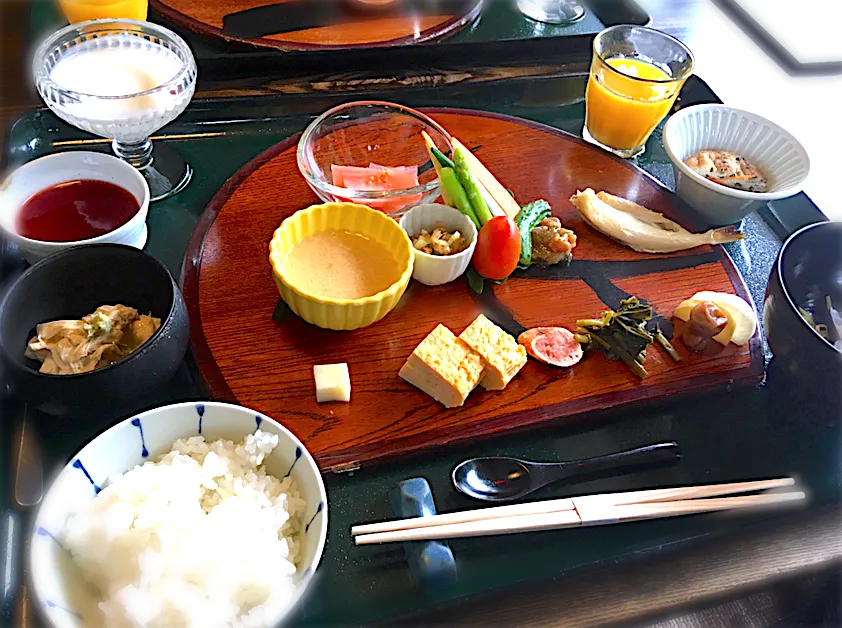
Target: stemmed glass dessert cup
point(167, 79)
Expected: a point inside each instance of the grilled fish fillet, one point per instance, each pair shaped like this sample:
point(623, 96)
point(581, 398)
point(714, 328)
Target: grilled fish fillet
point(642, 229)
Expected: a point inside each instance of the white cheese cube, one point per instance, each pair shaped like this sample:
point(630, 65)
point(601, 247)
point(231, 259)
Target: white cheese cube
point(333, 383)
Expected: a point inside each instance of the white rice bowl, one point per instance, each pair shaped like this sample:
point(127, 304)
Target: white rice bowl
point(198, 533)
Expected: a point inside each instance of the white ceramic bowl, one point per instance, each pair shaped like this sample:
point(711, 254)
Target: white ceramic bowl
point(59, 590)
point(772, 149)
point(435, 270)
point(45, 172)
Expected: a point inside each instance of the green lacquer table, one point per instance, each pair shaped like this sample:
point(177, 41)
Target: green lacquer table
point(755, 433)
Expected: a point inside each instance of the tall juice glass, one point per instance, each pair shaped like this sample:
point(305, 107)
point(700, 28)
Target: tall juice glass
point(636, 73)
point(83, 10)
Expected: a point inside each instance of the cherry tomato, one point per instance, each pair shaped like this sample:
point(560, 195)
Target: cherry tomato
point(498, 248)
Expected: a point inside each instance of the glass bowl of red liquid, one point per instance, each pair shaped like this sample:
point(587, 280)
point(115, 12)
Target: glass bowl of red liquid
point(372, 153)
point(67, 199)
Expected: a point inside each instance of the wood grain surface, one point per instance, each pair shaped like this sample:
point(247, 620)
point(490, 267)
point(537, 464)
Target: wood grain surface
point(352, 30)
point(247, 357)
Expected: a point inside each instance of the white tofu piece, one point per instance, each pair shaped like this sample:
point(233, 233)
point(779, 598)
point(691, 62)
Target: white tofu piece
point(333, 382)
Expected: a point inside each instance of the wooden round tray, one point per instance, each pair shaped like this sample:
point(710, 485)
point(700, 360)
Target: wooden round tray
point(247, 357)
point(306, 25)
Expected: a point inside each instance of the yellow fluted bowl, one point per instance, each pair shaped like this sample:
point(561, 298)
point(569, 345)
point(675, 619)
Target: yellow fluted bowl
point(340, 314)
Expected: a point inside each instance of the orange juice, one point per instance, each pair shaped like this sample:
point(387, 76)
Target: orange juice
point(84, 10)
point(626, 101)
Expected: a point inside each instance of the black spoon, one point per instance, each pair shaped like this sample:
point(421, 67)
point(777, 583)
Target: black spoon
point(505, 479)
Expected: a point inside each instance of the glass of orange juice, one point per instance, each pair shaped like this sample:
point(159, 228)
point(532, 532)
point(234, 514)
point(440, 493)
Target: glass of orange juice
point(84, 10)
point(636, 73)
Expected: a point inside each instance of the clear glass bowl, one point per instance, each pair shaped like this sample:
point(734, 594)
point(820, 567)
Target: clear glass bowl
point(371, 132)
point(113, 108)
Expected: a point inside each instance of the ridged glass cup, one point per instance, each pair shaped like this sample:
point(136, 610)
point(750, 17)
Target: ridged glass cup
point(127, 119)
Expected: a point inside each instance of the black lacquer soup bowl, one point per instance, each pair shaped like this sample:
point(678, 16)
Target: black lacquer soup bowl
point(807, 271)
point(71, 284)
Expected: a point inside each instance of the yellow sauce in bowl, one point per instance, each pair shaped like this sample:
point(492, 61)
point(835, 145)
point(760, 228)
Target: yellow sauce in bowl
point(337, 264)
point(341, 266)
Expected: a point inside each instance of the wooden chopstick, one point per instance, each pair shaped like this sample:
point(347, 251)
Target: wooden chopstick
point(556, 505)
point(465, 516)
point(593, 512)
point(487, 527)
point(694, 492)
point(634, 512)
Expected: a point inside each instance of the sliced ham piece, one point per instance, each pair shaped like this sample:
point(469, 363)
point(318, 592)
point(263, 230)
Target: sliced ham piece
point(552, 345)
point(526, 337)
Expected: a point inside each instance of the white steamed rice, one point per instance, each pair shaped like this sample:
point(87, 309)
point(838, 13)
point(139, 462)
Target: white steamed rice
point(202, 538)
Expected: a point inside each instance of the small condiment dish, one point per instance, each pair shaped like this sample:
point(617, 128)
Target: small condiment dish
point(336, 313)
point(778, 155)
point(59, 590)
point(46, 172)
point(435, 270)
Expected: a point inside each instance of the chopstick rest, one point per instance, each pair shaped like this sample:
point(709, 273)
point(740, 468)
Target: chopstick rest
point(431, 564)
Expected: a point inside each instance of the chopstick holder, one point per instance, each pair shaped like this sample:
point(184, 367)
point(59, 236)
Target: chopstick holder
point(431, 563)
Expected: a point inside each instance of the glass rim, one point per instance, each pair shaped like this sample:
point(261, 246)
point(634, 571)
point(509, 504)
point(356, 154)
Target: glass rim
point(667, 36)
point(43, 80)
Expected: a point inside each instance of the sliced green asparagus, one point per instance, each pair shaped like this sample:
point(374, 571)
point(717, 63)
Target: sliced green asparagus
point(470, 185)
point(450, 183)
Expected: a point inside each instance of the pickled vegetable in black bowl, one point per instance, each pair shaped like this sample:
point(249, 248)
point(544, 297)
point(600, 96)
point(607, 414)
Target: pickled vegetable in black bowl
point(72, 284)
point(803, 298)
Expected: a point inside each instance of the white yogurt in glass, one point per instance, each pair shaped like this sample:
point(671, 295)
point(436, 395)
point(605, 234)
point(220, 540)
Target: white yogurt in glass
point(117, 66)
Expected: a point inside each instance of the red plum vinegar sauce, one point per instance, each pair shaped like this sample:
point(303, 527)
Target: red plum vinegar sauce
point(76, 210)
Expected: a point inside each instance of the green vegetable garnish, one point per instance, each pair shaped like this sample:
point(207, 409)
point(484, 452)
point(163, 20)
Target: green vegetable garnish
point(526, 220)
point(450, 182)
point(100, 325)
point(471, 187)
point(807, 316)
point(667, 345)
point(622, 335)
point(475, 281)
point(443, 159)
